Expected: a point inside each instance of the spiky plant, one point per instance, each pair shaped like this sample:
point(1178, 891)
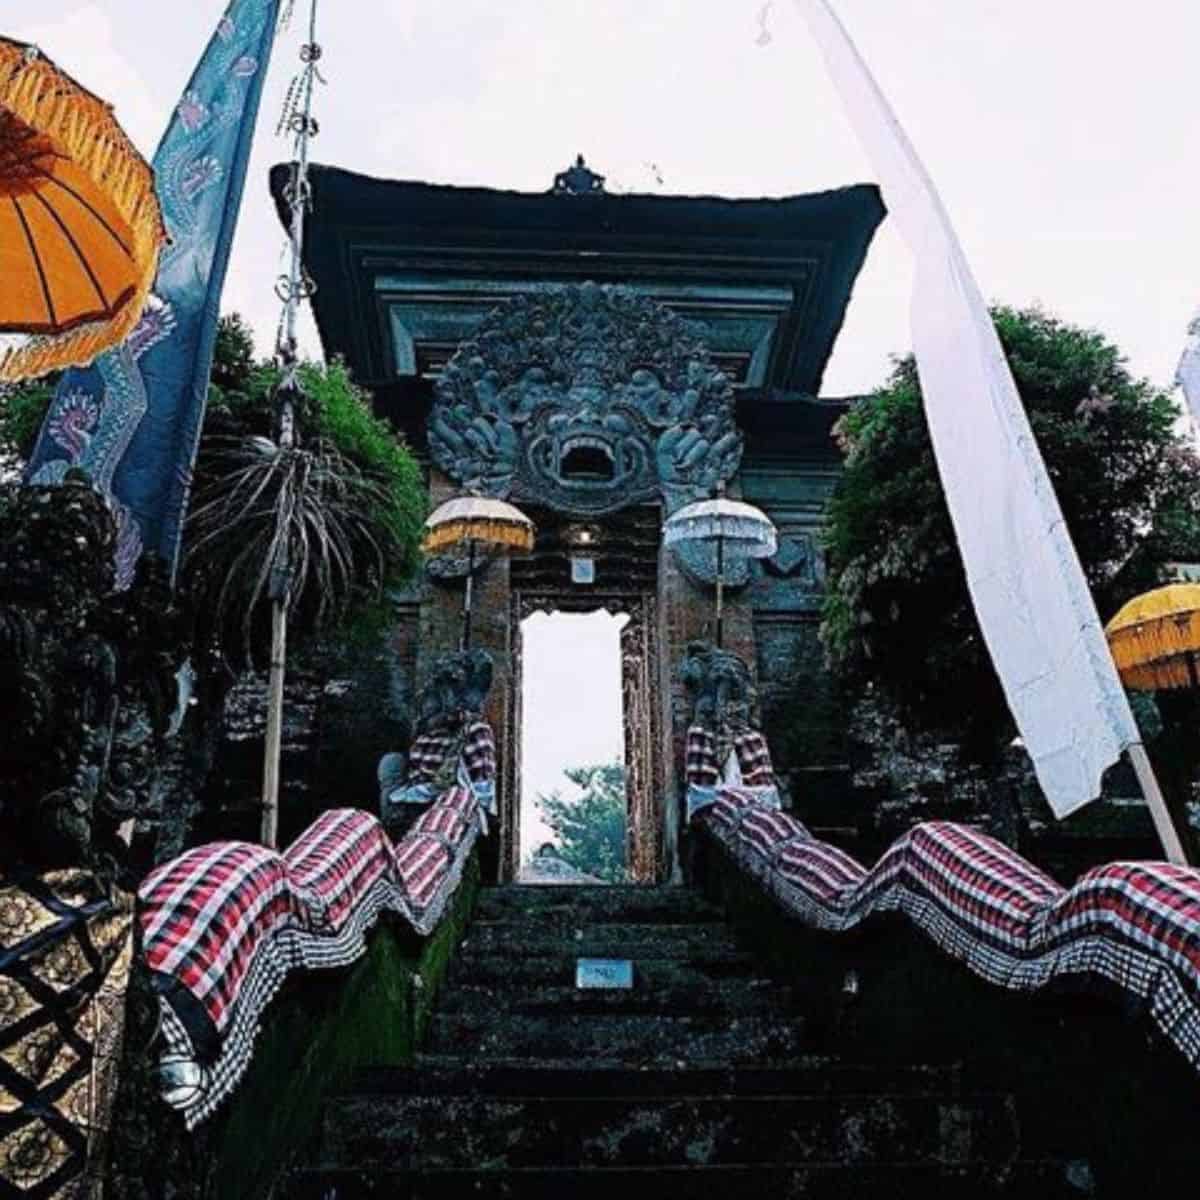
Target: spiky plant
point(301, 523)
point(296, 530)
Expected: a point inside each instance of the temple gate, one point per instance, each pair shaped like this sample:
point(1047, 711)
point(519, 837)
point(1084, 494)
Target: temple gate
point(601, 360)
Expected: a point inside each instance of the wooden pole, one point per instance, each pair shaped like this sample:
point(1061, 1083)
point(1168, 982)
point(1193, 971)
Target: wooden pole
point(274, 744)
point(720, 588)
point(1167, 833)
point(465, 643)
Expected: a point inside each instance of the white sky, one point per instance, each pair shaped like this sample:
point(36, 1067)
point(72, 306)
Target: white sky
point(571, 706)
point(1062, 133)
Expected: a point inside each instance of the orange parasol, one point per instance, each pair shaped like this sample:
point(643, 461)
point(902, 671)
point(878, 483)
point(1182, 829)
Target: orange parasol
point(80, 224)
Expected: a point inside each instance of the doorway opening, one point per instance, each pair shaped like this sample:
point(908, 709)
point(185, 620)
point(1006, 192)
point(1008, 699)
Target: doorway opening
point(573, 795)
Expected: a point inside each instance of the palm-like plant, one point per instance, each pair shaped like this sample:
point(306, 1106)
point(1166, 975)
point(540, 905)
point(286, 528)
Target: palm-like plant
point(298, 528)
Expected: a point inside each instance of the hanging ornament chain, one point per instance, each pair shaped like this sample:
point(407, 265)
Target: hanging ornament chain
point(296, 286)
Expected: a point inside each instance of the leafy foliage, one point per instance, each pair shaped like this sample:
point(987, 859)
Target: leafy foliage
point(335, 412)
point(23, 407)
point(898, 613)
point(351, 493)
point(591, 827)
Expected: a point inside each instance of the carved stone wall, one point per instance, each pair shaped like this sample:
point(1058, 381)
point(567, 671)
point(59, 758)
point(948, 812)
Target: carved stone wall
point(586, 399)
point(89, 682)
point(791, 477)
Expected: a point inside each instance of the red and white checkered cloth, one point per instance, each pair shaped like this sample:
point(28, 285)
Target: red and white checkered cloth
point(431, 752)
point(1136, 925)
point(479, 752)
point(701, 767)
point(428, 755)
point(336, 861)
point(225, 924)
point(754, 760)
point(700, 757)
point(204, 914)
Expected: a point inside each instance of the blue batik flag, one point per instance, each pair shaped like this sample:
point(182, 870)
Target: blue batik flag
point(131, 421)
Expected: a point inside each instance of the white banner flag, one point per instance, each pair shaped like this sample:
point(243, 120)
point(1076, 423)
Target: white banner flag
point(1038, 618)
point(1188, 375)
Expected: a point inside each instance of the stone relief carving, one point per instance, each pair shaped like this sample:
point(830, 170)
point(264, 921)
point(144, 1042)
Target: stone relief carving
point(798, 558)
point(587, 399)
point(89, 680)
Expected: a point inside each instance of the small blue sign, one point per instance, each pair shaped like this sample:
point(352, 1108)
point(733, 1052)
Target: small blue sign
point(604, 973)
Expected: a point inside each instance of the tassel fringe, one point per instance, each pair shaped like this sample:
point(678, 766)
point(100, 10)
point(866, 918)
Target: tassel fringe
point(497, 533)
point(82, 127)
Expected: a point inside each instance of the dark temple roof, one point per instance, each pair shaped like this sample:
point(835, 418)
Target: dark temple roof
point(405, 270)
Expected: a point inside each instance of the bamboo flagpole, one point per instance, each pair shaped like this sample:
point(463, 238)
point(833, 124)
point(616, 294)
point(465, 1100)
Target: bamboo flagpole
point(293, 291)
point(1156, 802)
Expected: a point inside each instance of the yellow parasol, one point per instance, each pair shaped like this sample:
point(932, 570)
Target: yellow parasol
point(1155, 639)
point(473, 520)
point(80, 224)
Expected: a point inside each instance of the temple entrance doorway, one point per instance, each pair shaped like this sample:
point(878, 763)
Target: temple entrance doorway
point(583, 603)
point(573, 817)
point(562, 642)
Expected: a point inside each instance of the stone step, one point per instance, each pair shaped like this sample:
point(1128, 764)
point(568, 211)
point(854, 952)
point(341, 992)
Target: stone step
point(533, 939)
point(512, 1132)
point(782, 1181)
point(621, 904)
point(550, 1001)
point(620, 1038)
point(806, 1075)
point(515, 970)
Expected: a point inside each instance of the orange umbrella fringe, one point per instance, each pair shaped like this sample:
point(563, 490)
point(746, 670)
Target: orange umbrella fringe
point(1152, 637)
point(497, 533)
point(1162, 637)
point(54, 105)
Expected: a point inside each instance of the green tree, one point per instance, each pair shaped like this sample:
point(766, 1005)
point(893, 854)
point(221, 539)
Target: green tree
point(897, 612)
point(591, 826)
point(362, 527)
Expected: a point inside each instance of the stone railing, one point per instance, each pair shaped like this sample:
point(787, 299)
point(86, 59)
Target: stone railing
point(225, 924)
point(1134, 924)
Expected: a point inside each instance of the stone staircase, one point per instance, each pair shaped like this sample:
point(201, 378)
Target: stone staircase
point(698, 1082)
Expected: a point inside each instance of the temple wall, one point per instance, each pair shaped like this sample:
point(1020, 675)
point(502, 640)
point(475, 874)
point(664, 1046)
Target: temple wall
point(801, 715)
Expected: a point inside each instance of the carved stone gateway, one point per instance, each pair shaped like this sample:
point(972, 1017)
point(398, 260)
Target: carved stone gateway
point(586, 399)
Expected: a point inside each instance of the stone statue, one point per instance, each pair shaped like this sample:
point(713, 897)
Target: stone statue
point(721, 689)
point(453, 743)
point(725, 747)
point(88, 681)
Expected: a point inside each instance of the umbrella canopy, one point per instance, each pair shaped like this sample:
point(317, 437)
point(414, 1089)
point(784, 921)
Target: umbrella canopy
point(80, 224)
point(730, 524)
point(1155, 638)
point(477, 519)
point(742, 528)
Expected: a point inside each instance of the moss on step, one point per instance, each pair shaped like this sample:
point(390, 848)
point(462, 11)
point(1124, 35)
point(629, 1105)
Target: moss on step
point(323, 1027)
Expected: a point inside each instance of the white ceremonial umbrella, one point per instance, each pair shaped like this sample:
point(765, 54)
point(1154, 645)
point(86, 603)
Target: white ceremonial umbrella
point(732, 524)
